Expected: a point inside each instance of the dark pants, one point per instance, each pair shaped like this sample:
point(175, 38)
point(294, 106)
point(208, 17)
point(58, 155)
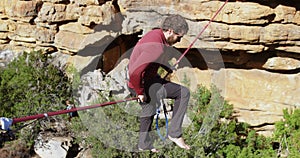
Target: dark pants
point(156, 89)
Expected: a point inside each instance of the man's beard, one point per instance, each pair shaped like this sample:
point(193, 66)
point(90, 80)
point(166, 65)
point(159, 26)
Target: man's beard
point(171, 40)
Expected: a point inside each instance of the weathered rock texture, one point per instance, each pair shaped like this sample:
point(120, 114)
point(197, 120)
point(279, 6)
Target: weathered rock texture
point(244, 28)
point(258, 34)
point(258, 96)
point(69, 26)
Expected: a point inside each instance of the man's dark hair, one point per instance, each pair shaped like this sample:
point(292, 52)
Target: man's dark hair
point(176, 23)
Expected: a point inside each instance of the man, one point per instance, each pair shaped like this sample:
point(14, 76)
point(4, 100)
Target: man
point(69, 107)
point(144, 63)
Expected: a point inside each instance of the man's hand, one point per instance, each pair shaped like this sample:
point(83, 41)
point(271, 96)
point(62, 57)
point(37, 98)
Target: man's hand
point(141, 98)
point(172, 69)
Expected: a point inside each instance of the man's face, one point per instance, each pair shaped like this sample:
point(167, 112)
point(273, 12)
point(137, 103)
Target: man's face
point(174, 37)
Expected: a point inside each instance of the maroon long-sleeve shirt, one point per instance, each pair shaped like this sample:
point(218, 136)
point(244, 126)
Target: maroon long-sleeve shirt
point(143, 60)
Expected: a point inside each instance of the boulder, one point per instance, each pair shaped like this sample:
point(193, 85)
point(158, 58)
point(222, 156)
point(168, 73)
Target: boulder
point(52, 147)
point(280, 63)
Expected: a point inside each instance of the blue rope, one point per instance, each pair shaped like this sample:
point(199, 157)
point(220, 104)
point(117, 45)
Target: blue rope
point(157, 127)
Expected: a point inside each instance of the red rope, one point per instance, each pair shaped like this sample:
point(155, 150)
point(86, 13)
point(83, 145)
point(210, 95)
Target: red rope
point(48, 114)
point(204, 28)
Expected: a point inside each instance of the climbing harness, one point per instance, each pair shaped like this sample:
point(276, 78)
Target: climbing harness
point(157, 118)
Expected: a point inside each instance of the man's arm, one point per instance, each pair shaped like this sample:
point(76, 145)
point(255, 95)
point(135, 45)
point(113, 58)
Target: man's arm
point(151, 52)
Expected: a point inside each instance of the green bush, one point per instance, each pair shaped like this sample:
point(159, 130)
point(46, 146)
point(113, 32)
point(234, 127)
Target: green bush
point(110, 131)
point(287, 133)
point(227, 137)
point(30, 85)
point(224, 137)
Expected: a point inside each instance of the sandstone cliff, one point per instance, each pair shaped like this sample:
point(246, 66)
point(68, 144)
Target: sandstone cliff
point(260, 35)
point(244, 28)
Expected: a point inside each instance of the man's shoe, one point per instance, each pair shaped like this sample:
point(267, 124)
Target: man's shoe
point(180, 142)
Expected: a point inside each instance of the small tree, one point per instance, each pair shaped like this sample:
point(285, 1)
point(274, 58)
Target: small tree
point(30, 85)
point(287, 133)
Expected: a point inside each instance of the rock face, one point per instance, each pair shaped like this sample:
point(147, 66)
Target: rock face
point(246, 26)
point(264, 35)
point(69, 26)
point(259, 97)
point(51, 25)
